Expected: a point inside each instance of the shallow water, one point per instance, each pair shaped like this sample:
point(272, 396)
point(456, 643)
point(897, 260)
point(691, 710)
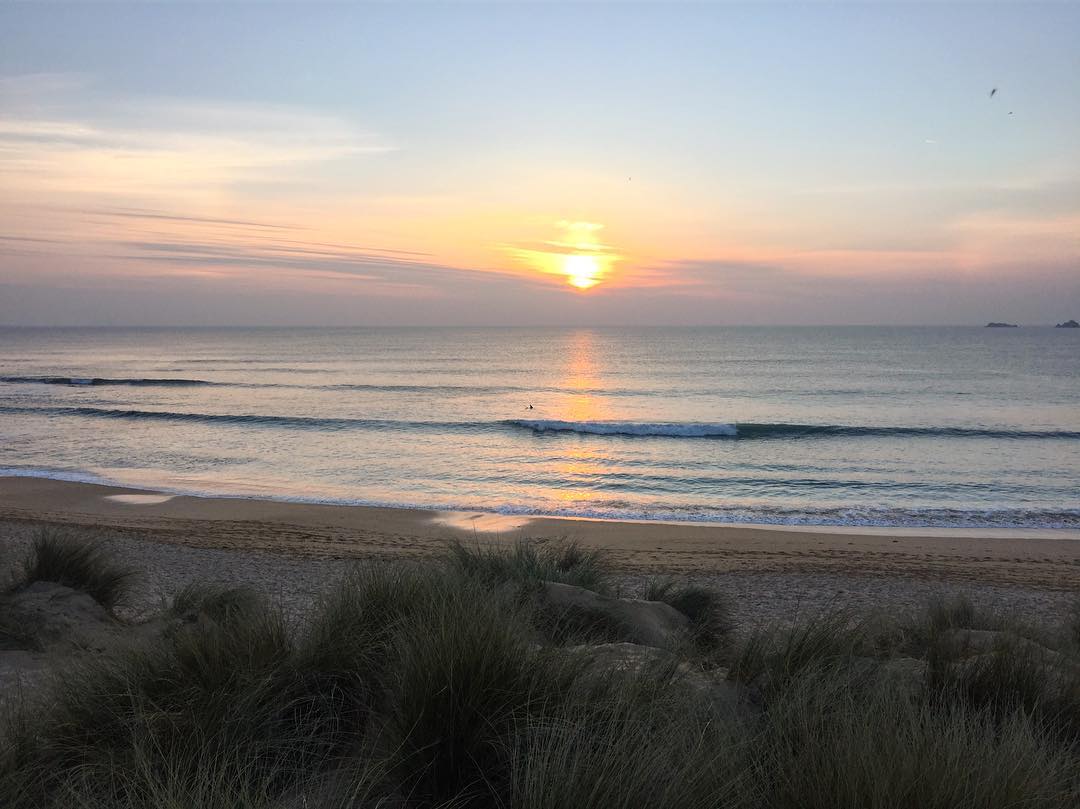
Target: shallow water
point(875, 426)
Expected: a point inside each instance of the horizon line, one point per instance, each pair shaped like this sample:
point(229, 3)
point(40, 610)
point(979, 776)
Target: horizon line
point(515, 325)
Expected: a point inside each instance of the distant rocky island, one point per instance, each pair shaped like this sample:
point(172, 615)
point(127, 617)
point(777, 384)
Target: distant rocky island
point(1068, 324)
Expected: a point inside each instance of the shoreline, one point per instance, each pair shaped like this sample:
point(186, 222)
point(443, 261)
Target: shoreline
point(1038, 558)
point(509, 515)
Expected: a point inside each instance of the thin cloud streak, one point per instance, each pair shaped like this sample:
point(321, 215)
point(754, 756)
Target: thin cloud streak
point(164, 148)
point(146, 214)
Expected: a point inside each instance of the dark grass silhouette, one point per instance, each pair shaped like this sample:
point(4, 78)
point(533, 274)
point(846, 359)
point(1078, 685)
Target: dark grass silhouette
point(62, 558)
point(435, 685)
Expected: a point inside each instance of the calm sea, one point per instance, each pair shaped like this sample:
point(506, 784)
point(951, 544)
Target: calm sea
point(864, 426)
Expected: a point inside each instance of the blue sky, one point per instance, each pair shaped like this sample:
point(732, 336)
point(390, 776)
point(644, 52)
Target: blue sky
point(765, 163)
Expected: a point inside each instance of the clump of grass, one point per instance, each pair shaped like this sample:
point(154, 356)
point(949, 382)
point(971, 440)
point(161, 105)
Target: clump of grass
point(1013, 675)
point(709, 612)
point(217, 602)
point(919, 633)
point(574, 625)
point(211, 700)
point(12, 635)
point(774, 657)
point(530, 562)
point(1072, 624)
point(355, 622)
point(986, 661)
point(1007, 677)
point(462, 673)
point(61, 558)
point(958, 612)
point(830, 741)
point(630, 744)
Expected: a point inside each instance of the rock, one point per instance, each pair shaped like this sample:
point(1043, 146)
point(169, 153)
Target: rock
point(994, 325)
point(649, 623)
point(1068, 324)
point(51, 614)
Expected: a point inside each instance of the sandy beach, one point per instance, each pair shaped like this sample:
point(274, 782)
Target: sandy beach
point(296, 548)
point(1037, 558)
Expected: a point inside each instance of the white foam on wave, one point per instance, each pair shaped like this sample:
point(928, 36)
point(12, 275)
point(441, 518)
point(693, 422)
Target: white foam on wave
point(683, 430)
point(71, 476)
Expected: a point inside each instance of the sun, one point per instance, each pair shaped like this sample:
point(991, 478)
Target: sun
point(576, 257)
point(582, 271)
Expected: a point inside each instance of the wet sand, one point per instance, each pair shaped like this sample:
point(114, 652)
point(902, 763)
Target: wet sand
point(1046, 560)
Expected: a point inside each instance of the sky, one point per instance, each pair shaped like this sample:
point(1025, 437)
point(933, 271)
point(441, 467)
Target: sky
point(562, 164)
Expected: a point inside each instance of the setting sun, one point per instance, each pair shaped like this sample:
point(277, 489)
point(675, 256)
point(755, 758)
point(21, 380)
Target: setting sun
point(575, 255)
point(582, 271)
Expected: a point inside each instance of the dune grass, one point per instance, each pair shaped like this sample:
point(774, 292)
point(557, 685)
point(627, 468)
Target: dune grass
point(831, 739)
point(771, 657)
point(630, 746)
point(214, 601)
point(1072, 625)
point(12, 634)
point(56, 556)
point(423, 686)
point(709, 612)
point(527, 562)
point(208, 700)
point(465, 673)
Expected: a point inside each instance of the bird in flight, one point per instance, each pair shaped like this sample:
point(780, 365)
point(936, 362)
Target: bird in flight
point(992, 92)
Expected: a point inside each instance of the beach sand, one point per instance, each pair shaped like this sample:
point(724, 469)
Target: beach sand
point(1039, 558)
point(296, 549)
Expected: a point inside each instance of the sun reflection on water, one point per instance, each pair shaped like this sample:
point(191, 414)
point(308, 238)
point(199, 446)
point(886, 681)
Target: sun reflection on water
point(580, 460)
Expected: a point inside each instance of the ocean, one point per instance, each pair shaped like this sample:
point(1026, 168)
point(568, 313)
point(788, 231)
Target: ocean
point(817, 426)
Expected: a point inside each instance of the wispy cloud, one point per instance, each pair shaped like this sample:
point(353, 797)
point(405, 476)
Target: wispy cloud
point(166, 217)
point(143, 245)
point(145, 148)
point(34, 87)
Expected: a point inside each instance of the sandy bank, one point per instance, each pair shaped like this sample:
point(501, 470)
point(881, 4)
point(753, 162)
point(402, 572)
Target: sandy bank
point(1048, 559)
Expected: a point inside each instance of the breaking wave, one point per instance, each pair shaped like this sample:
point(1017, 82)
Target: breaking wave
point(752, 430)
point(703, 430)
point(97, 380)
